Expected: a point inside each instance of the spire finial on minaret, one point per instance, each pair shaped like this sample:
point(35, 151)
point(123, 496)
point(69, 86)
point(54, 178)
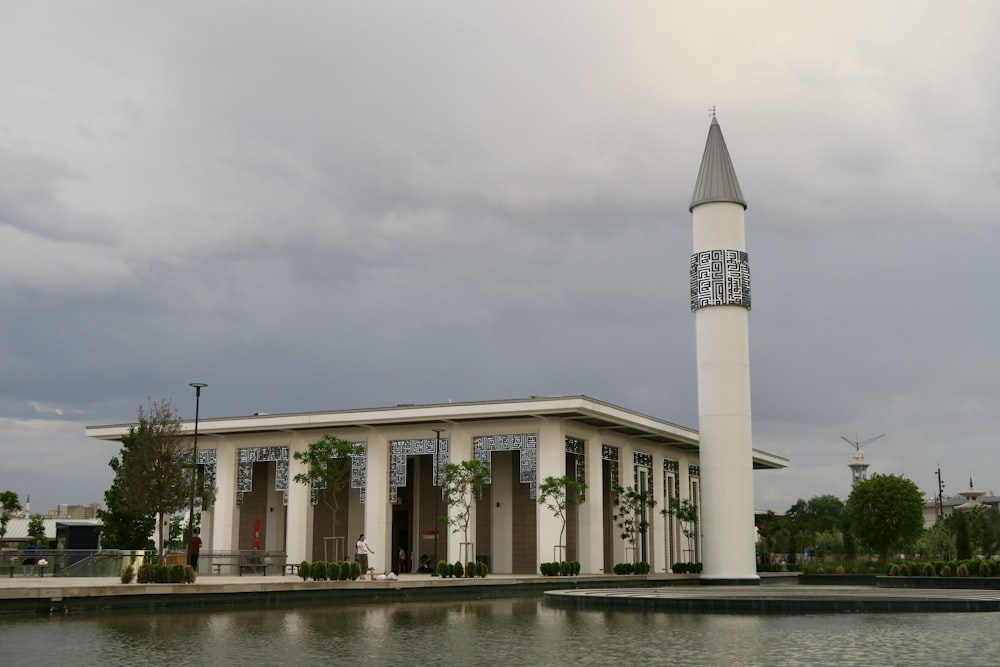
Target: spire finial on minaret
point(711, 112)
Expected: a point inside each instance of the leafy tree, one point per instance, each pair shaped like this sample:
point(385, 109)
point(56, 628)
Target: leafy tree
point(686, 512)
point(958, 525)
point(886, 513)
point(36, 530)
point(631, 514)
point(156, 475)
point(328, 468)
point(558, 494)
point(9, 505)
point(122, 529)
point(463, 484)
point(937, 542)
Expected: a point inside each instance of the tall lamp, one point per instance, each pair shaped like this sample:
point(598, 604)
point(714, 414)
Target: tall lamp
point(437, 493)
point(194, 463)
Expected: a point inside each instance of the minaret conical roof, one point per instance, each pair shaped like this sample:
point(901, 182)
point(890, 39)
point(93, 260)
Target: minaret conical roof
point(716, 179)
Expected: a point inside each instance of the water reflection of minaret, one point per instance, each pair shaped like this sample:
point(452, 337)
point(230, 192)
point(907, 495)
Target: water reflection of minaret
point(720, 300)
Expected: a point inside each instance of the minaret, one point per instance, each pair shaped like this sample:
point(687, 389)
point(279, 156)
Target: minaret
point(720, 300)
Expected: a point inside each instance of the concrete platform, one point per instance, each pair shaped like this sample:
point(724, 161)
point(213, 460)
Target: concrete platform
point(20, 594)
point(785, 598)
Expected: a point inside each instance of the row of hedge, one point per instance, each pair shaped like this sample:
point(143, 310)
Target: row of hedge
point(686, 568)
point(153, 573)
point(330, 571)
point(642, 567)
point(566, 568)
point(952, 568)
point(457, 570)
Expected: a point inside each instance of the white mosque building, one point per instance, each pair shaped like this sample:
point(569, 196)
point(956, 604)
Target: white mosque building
point(392, 495)
point(394, 491)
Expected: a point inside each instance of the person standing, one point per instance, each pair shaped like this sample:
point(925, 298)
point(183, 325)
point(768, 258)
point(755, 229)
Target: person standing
point(194, 549)
point(362, 552)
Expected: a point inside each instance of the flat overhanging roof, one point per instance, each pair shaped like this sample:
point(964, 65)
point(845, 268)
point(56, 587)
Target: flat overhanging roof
point(576, 409)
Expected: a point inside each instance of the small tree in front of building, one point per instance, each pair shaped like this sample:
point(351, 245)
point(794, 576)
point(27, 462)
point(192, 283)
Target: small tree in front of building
point(120, 528)
point(463, 484)
point(686, 513)
point(155, 475)
point(631, 515)
point(558, 494)
point(36, 530)
point(328, 468)
point(9, 506)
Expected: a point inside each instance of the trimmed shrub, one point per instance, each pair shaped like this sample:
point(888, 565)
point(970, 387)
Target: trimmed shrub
point(946, 570)
point(927, 570)
point(127, 574)
point(458, 570)
point(962, 570)
point(470, 569)
point(304, 570)
point(444, 569)
point(161, 574)
point(482, 569)
point(189, 574)
point(564, 569)
point(355, 569)
point(335, 571)
point(319, 571)
point(984, 570)
point(146, 573)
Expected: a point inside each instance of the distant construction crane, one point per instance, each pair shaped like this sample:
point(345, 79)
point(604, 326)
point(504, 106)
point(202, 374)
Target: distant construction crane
point(857, 465)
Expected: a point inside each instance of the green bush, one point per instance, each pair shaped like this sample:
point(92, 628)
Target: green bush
point(146, 573)
point(319, 571)
point(355, 569)
point(928, 570)
point(161, 575)
point(482, 569)
point(984, 569)
point(458, 570)
point(335, 571)
point(444, 569)
point(962, 570)
point(304, 570)
point(470, 569)
point(945, 570)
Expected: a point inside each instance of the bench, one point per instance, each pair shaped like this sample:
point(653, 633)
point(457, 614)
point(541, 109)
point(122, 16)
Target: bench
point(246, 562)
point(13, 566)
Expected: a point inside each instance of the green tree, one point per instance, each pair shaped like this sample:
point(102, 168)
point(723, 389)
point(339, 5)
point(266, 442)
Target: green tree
point(936, 542)
point(886, 513)
point(156, 475)
point(122, 529)
point(9, 505)
point(686, 513)
point(36, 530)
point(631, 515)
point(463, 484)
point(328, 468)
point(558, 494)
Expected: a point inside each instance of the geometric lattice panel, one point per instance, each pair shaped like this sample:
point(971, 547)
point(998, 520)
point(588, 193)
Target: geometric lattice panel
point(642, 461)
point(525, 443)
point(436, 448)
point(577, 448)
point(610, 454)
point(244, 469)
point(720, 278)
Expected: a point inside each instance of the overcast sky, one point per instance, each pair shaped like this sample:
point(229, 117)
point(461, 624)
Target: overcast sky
point(316, 205)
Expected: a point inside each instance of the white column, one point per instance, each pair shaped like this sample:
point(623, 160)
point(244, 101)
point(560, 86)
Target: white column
point(224, 530)
point(300, 511)
point(460, 449)
point(726, 456)
point(551, 461)
point(591, 511)
point(377, 509)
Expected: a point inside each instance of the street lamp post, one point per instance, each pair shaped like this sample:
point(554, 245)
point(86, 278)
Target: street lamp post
point(437, 493)
point(194, 463)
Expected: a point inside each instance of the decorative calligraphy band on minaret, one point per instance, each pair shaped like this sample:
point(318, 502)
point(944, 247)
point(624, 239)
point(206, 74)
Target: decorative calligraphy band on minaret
point(720, 278)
